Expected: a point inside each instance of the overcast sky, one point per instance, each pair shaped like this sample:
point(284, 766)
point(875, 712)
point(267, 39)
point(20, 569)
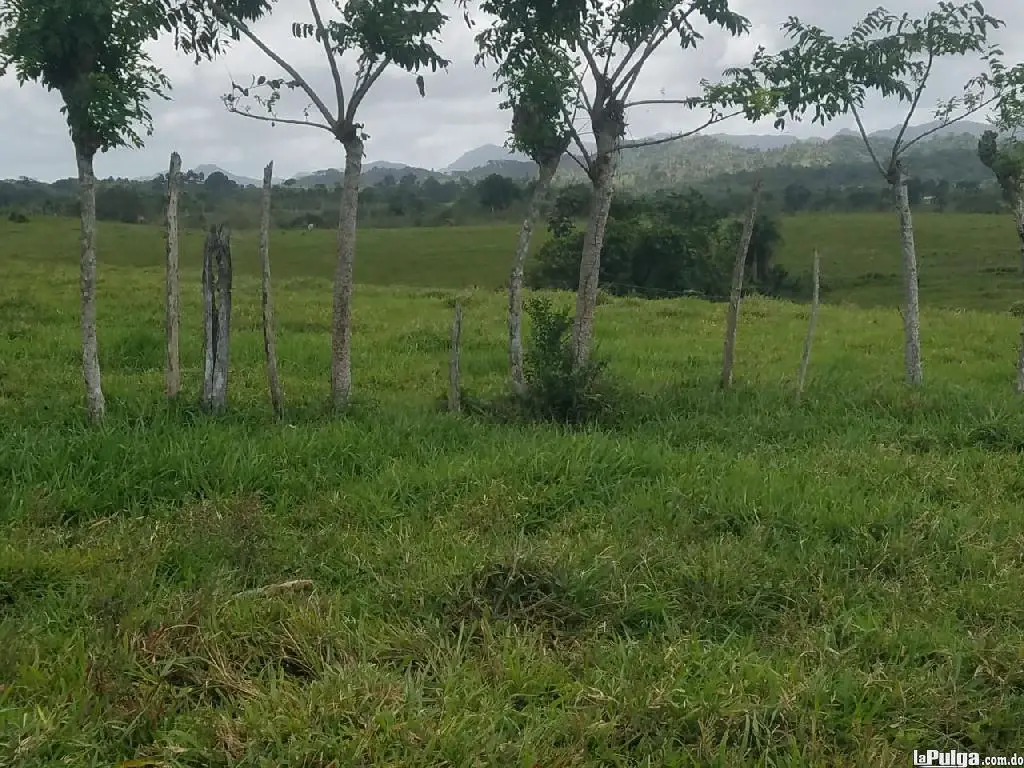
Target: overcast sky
point(458, 114)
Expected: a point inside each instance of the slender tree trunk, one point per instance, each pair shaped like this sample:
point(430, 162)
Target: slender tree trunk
point(217, 270)
point(515, 282)
point(1020, 363)
point(606, 162)
point(805, 359)
point(173, 374)
point(736, 294)
point(94, 401)
point(269, 342)
point(341, 326)
point(209, 320)
point(454, 374)
point(1018, 215)
point(911, 303)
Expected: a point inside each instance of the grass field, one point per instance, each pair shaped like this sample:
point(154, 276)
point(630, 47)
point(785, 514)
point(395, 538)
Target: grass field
point(721, 579)
point(967, 261)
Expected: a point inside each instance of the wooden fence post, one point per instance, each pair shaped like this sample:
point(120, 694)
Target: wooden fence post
point(454, 384)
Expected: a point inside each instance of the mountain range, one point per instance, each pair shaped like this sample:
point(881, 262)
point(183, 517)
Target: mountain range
point(692, 159)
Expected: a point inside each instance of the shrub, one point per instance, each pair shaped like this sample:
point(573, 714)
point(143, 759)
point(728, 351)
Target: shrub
point(554, 390)
point(18, 218)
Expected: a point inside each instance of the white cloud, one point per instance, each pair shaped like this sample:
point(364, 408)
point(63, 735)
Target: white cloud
point(459, 112)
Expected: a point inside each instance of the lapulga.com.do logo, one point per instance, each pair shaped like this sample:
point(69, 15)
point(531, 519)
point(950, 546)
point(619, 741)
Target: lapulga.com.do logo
point(953, 758)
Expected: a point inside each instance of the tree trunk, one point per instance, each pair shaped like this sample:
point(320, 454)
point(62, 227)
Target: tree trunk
point(269, 342)
point(736, 294)
point(1018, 215)
point(454, 377)
point(209, 320)
point(217, 317)
point(805, 359)
point(1020, 364)
point(515, 282)
point(341, 326)
point(606, 162)
point(94, 401)
point(911, 304)
point(173, 374)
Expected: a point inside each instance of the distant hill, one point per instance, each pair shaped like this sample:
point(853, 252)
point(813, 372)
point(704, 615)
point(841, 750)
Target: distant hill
point(689, 160)
point(705, 156)
point(483, 156)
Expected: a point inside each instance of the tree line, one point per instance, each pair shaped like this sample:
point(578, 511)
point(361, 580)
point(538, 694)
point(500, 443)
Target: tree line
point(566, 69)
point(411, 201)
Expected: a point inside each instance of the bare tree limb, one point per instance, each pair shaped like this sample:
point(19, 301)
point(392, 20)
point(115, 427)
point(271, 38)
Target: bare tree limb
point(913, 107)
point(591, 61)
point(242, 27)
point(631, 52)
point(676, 136)
point(867, 141)
point(283, 120)
point(623, 89)
point(578, 162)
point(332, 60)
point(363, 87)
point(643, 102)
point(946, 123)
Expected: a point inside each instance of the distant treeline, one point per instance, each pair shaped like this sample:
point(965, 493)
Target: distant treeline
point(405, 200)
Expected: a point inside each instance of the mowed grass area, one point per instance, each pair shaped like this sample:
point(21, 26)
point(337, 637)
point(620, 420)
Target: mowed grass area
point(967, 261)
point(720, 579)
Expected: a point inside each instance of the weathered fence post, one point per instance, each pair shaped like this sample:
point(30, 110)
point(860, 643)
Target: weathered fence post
point(172, 322)
point(269, 342)
point(806, 357)
point(216, 316)
point(736, 294)
point(454, 384)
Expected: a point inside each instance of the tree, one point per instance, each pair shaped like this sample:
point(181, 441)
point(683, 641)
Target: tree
point(497, 192)
point(535, 93)
point(892, 55)
point(795, 197)
point(1006, 161)
point(382, 33)
point(655, 247)
point(607, 46)
point(91, 53)
point(764, 239)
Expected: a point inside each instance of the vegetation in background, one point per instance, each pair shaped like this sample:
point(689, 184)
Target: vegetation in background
point(658, 247)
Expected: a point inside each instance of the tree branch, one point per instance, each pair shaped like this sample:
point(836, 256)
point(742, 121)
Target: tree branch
point(642, 102)
point(579, 162)
point(657, 38)
point(946, 123)
point(867, 142)
point(676, 136)
point(591, 61)
point(362, 88)
point(339, 91)
point(242, 27)
point(285, 120)
point(913, 107)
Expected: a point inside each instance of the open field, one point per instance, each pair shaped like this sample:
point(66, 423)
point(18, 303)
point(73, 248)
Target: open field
point(717, 579)
point(968, 261)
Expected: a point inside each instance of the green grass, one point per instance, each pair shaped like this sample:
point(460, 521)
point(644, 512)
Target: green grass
point(967, 261)
point(722, 579)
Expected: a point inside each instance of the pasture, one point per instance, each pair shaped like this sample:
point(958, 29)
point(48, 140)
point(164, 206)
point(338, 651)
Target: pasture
point(713, 579)
point(967, 261)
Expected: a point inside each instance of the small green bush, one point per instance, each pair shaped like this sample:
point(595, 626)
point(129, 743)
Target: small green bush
point(555, 391)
